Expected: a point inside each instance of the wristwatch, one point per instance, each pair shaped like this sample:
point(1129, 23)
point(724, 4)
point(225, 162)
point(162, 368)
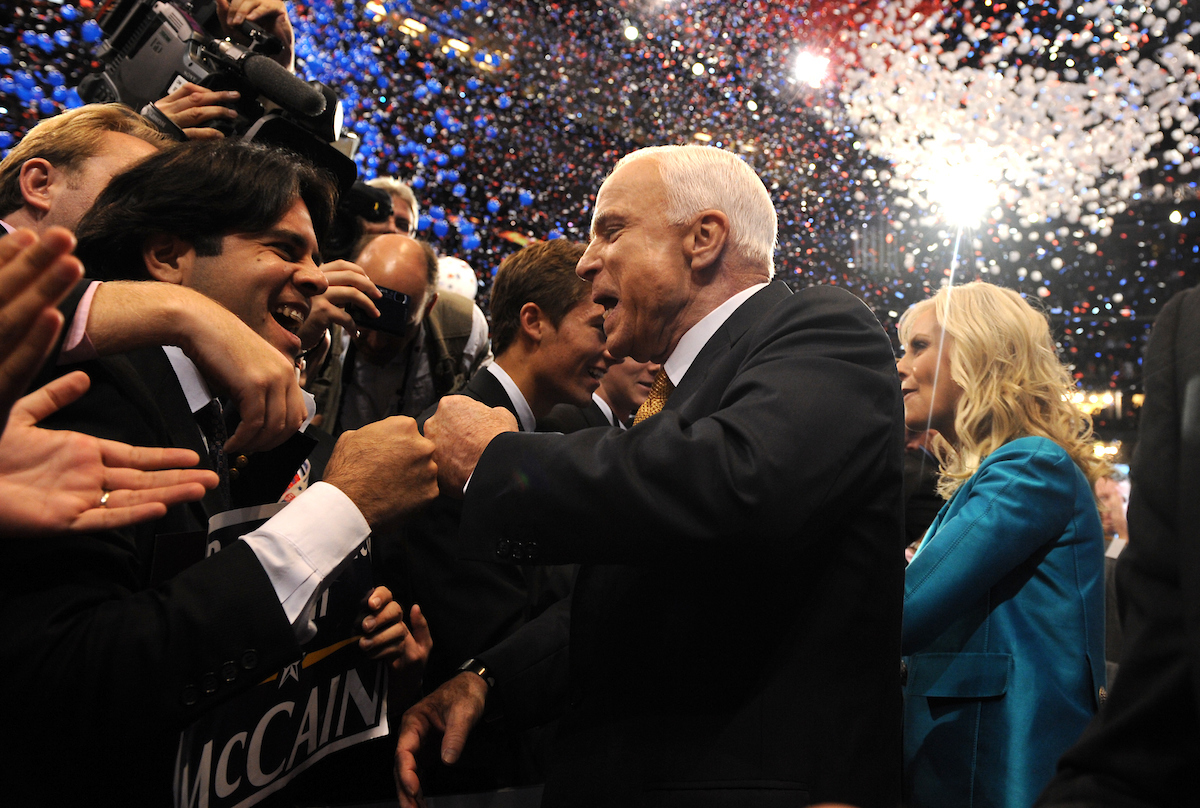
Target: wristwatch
point(480, 669)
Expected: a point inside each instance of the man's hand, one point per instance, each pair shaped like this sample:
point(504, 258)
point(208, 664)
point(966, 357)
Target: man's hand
point(35, 273)
point(348, 286)
point(385, 468)
point(190, 107)
point(271, 15)
point(53, 481)
point(385, 635)
point(452, 710)
point(462, 428)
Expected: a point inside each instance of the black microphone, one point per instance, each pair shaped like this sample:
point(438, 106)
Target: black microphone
point(277, 84)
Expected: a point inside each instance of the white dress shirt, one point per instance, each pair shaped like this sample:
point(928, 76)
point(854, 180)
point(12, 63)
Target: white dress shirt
point(697, 336)
point(524, 411)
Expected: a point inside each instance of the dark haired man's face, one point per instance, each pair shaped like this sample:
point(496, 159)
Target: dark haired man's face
point(571, 359)
point(267, 278)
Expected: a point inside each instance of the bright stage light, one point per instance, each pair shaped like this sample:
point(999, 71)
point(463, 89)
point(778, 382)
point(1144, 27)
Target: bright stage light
point(811, 69)
point(963, 194)
point(631, 32)
point(1176, 217)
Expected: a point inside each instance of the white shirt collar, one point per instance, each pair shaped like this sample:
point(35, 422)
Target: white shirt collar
point(8, 228)
point(697, 336)
point(524, 412)
point(193, 384)
point(196, 390)
point(607, 410)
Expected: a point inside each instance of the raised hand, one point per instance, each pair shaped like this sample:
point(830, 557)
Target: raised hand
point(385, 468)
point(53, 481)
point(35, 273)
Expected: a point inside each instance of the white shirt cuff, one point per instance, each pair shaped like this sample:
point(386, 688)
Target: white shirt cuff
point(303, 546)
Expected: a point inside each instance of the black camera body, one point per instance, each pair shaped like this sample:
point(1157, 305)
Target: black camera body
point(393, 313)
point(151, 47)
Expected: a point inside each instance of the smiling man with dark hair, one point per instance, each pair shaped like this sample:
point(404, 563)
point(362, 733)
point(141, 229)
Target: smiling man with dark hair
point(130, 636)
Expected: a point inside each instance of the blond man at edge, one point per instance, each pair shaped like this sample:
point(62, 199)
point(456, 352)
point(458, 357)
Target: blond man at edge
point(761, 506)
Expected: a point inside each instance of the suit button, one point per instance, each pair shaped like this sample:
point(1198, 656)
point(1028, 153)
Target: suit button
point(189, 696)
point(903, 673)
point(234, 474)
point(229, 671)
point(503, 549)
point(240, 462)
point(249, 660)
point(531, 551)
point(209, 683)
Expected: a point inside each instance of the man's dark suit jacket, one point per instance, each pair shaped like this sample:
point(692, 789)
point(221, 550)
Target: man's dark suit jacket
point(735, 628)
point(1143, 747)
point(568, 418)
point(470, 606)
point(103, 668)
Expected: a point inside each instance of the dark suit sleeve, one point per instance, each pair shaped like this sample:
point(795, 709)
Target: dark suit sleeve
point(797, 426)
point(531, 668)
point(1142, 748)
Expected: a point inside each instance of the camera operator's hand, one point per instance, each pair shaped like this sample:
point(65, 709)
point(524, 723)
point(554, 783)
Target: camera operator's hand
point(348, 286)
point(191, 107)
point(271, 15)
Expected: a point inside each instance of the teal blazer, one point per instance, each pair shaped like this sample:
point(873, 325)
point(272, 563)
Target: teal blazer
point(1003, 632)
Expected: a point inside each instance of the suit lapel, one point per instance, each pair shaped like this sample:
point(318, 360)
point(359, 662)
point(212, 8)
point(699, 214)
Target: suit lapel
point(487, 389)
point(719, 344)
point(151, 371)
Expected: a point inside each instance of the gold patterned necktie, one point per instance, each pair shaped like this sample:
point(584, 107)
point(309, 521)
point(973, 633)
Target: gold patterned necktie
point(660, 391)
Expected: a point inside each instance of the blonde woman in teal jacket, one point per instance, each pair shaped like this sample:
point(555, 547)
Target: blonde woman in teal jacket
point(1004, 600)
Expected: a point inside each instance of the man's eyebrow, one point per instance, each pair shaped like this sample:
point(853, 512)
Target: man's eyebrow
point(605, 219)
point(299, 242)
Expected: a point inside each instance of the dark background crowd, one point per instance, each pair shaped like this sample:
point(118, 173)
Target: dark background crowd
point(506, 141)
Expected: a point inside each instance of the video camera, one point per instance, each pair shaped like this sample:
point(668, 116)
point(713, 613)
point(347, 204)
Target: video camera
point(151, 47)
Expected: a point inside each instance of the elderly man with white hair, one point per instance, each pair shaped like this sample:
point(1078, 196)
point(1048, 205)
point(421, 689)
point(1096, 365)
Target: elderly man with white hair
point(733, 637)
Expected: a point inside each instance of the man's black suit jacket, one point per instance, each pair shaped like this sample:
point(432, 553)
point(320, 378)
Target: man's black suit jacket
point(1142, 748)
point(568, 418)
point(735, 628)
point(103, 668)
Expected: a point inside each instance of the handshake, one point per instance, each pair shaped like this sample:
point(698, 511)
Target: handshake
point(388, 469)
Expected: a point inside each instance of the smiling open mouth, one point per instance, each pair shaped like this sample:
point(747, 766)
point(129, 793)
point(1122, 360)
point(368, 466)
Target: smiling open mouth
point(290, 317)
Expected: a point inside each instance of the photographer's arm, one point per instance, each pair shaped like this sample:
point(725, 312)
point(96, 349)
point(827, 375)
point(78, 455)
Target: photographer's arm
point(271, 15)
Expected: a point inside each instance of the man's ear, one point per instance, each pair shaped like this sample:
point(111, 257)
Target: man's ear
point(168, 258)
point(429, 303)
point(36, 177)
point(705, 242)
point(533, 323)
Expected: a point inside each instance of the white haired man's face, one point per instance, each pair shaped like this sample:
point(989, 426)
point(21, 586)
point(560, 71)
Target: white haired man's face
point(637, 264)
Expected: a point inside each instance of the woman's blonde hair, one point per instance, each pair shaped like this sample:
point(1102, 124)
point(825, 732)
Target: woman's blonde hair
point(1013, 383)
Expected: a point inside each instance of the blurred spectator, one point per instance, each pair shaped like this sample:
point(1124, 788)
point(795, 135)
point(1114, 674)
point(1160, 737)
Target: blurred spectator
point(442, 345)
point(404, 208)
point(1004, 600)
point(1112, 492)
point(622, 390)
